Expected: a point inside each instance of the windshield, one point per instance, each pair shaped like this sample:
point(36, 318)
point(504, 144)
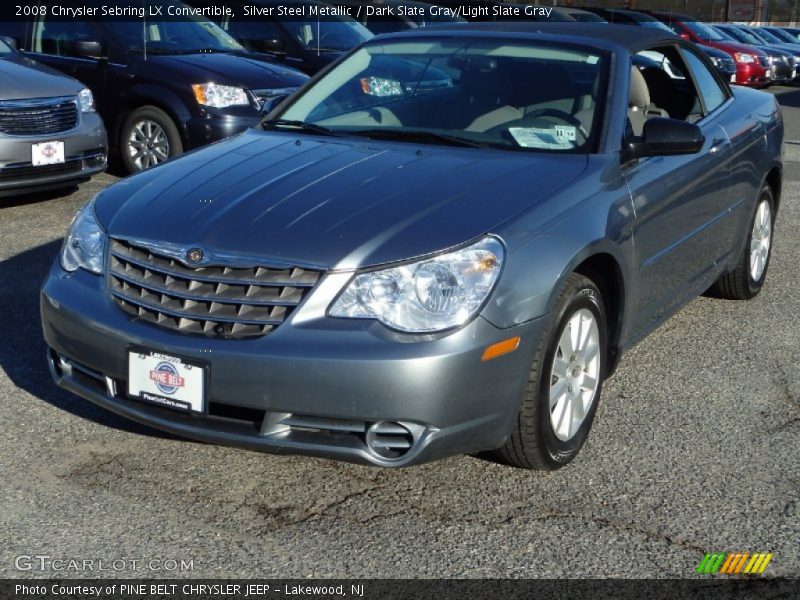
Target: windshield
point(703, 31)
point(642, 20)
point(509, 95)
point(768, 36)
point(173, 37)
point(328, 35)
point(784, 36)
point(737, 35)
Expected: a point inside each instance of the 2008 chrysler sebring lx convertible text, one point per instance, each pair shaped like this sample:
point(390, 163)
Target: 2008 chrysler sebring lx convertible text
point(442, 245)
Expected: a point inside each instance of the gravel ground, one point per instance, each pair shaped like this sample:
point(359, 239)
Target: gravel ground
point(695, 448)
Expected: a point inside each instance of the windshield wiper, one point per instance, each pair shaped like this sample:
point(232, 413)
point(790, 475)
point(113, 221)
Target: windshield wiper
point(302, 125)
point(410, 135)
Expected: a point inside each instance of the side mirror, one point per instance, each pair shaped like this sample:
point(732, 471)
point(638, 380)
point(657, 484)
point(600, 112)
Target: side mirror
point(666, 137)
point(89, 49)
point(272, 103)
point(10, 41)
point(274, 46)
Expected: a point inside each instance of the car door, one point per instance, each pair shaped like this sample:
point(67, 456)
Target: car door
point(681, 202)
point(53, 42)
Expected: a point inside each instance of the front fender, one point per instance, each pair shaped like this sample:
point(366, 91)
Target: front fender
point(148, 94)
point(592, 217)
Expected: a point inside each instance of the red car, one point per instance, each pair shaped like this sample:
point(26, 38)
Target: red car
point(752, 66)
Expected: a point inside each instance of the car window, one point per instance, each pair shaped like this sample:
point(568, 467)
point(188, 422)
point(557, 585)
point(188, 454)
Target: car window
point(710, 89)
point(660, 88)
point(253, 34)
point(703, 31)
point(173, 37)
point(485, 92)
point(57, 37)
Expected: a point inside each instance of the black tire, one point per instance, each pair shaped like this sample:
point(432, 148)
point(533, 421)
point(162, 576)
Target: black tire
point(161, 119)
point(739, 283)
point(533, 443)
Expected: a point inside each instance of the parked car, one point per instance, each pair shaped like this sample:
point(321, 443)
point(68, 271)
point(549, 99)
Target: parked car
point(721, 60)
point(752, 64)
point(783, 34)
point(302, 42)
point(781, 61)
point(50, 133)
point(404, 15)
point(579, 14)
point(389, 276)
point(764, 34)
point(625, 17)
point(793, 31)
point(188, 83)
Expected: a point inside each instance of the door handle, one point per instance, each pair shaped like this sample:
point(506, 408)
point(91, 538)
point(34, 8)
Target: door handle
point(716, 146)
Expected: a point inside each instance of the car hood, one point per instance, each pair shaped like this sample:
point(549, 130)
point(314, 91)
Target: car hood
point(329, 202)
point(22, 78)
point(225, 69)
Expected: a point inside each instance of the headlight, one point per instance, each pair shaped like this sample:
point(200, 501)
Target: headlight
point(84, 245)
point(430, 295)
point(744, 58)
point(86, 100)
point(219, 96)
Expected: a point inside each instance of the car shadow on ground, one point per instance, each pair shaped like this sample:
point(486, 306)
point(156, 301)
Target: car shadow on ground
point(22, 353)
point(790, 99)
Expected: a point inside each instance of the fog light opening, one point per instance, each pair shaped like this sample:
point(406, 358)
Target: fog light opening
point(389, 440)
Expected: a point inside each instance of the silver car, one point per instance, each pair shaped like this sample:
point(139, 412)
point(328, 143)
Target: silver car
point(50, 133)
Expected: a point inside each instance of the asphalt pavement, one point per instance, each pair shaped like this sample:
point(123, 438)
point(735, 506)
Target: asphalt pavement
point(696, 448)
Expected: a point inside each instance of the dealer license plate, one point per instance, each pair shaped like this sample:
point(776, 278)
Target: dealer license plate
point(165, 380)
point(47, 153)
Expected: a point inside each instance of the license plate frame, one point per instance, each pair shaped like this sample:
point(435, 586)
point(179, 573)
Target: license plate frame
point(167, 380)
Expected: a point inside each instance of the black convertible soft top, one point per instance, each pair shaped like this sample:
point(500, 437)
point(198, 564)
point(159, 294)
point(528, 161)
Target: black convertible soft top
point(630, 37)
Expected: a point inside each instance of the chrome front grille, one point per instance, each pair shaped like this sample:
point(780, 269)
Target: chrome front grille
point(214, 300)
point(45, 116)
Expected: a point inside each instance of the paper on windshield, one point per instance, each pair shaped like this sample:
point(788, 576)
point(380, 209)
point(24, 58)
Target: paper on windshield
point(560, 138)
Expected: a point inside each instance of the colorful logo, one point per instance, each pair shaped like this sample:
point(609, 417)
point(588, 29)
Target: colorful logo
point(734, 563)
point(49, 151)
point(166, 378)
point(194, 255)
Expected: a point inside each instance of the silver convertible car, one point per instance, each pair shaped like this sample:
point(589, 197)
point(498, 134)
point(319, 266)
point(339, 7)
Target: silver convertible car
point(443, 244)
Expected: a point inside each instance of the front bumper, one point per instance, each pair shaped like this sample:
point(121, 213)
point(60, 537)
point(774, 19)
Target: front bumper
point(752, 75)
point(215, 125)
point(85, 151)
point(312, 388)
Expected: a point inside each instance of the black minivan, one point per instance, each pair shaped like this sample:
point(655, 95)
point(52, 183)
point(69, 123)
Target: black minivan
point(303, 34)
point(162, 87)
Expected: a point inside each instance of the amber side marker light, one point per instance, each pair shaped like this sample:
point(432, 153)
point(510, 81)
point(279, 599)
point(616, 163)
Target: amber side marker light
point(501, 348)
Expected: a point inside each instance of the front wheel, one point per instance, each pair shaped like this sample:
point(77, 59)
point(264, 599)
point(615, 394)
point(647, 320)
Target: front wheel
point(148, 138)
point(564, 383)
point(747, 279)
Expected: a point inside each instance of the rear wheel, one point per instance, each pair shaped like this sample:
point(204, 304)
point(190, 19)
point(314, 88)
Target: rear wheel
point(148, 138)
point(564, 384)
point(748, 278)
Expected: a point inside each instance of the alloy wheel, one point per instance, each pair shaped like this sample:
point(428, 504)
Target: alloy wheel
point(760, 240)
point(148, 144)
point(575, 374)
